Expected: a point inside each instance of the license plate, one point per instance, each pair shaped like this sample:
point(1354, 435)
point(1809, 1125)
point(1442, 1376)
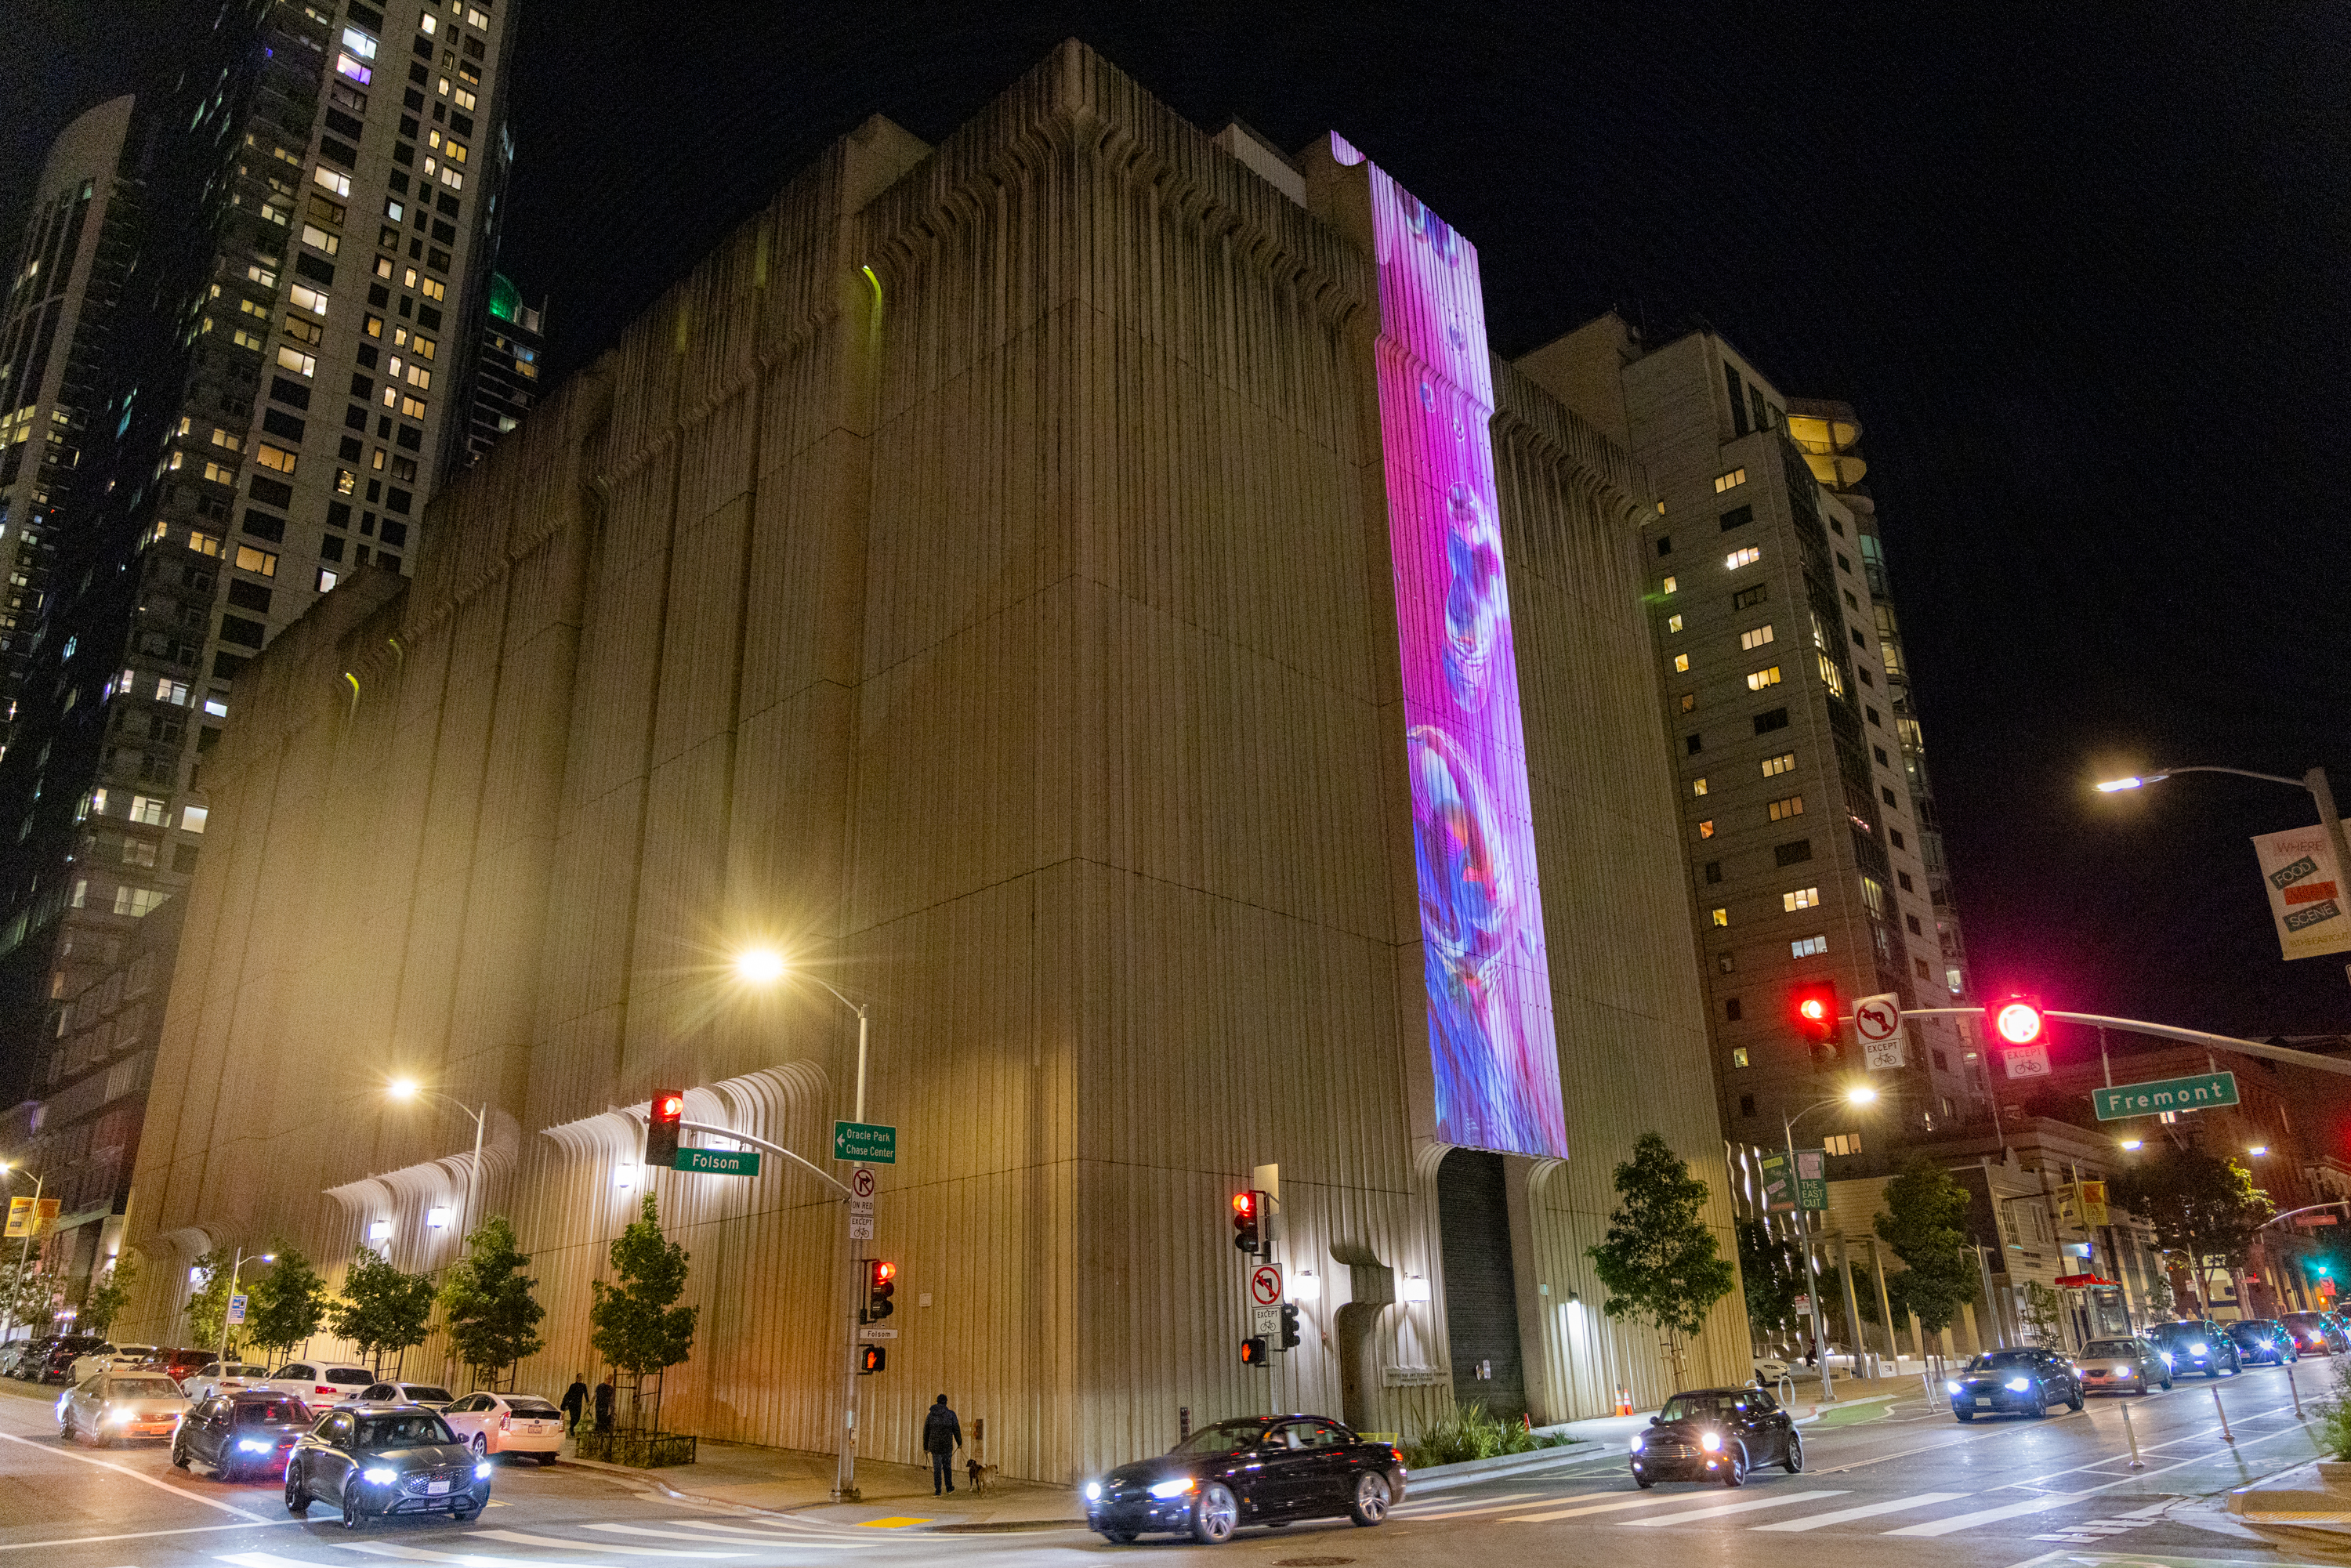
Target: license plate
point(1983, 1402)
point(436, 1489)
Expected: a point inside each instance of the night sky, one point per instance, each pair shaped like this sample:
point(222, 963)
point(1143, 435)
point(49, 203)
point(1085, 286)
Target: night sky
point(2084, 287)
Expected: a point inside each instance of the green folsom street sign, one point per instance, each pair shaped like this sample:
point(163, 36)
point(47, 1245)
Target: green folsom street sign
point(717, 1162)
point(865, 1142)
point(2201, 1092)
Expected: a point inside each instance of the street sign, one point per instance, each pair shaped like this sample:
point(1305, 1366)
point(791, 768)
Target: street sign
point(236, 1309)
point(2305, 889)
point(2317, 1220)
point(860, 1204)
point(1876, 1020)
point(2027, 1062)
point(2201, 1092)
point(1265, 1285)
point(1265, 1322)
point(717, 1162)
point(1778, 1194)
point(860, 1183)
point(1802, 1306)
point(877, 1333)
point(865, 1141)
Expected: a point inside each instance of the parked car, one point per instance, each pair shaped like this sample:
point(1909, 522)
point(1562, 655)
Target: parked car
point(2196, 1345)
point(241, 1433)
point(114, 1404)
point(432, 1395)
point(2129, 1365)
point(221, 1377)
point(370, 1460)
point(2023, 1382)
point(1770, 1369)
point(2263, 1342)
point(18, 1356)
point(1259, 1470)
point(1716, 1434)
point(506, 1424)
point(319, 1383)
point(179, 1365)
point(56, 1364)
point(107, 1357)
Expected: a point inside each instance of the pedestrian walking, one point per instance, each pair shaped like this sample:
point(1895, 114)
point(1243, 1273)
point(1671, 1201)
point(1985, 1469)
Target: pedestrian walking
point(942, 1435)
point(604, 1407)
point(575, 1402)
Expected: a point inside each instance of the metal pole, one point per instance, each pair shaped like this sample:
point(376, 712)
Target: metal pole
point(845, 1478)
point(24, 1256)
point(1885, 1305)
point(1812, 1272)
point(1852, 1302)
point(235, 1270)
point(2226, 1436)
point(2128, 1432)
point(474, 1175)
point(2315, 782)
point(2290, 1388)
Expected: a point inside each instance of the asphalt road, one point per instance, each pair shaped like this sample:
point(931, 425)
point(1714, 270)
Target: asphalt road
point(1915, 1486)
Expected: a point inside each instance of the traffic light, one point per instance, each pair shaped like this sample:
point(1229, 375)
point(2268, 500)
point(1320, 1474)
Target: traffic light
point(1249, 1216)
point(1253, 1350)
point(661, 1128)
point(2017, 1020)
point(1288, 1325)
point(1813, 1007)
point(881, 1284)
point(871, 1358)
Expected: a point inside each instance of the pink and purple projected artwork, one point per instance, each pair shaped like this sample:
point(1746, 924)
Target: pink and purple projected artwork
point(1488, 979)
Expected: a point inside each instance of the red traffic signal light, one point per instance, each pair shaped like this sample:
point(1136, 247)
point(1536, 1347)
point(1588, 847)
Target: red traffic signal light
point(1248, 1210)
point(661, 1127)
point(2018, 1020)
point(881, 1284)
point(871, 1358)
point(1812, 1009)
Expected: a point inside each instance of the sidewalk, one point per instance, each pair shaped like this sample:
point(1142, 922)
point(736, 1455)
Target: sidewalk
point(895, 1497)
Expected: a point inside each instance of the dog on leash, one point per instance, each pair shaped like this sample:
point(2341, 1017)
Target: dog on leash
point(977, 1474)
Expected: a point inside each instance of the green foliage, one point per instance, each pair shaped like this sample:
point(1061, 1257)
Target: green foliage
point(110, 1296)
point(1468, 1432)
point(1921, 1222)
point(383, 1311)
point(286, 1303)
point(26, 1294)
point(2043, 1313)
point(1659, 1260)
point(208, 1303)
point(1772, 1275)
point(492, 1315)
point(2205, 1208)
point(2334, 1413)
point(635, 1325)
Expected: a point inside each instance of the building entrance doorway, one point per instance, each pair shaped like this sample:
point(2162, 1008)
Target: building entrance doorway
point(1482, 1305)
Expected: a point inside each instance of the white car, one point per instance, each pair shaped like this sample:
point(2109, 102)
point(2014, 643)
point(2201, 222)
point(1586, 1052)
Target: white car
point(111, 1406)
point(223, 1377)
point(508, 1424)
point(432, 1395)
point(319, 1383)
point(108, 1358)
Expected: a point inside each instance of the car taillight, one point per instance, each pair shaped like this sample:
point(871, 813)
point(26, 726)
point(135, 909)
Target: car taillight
point(506, 1421)
point(323, 1388)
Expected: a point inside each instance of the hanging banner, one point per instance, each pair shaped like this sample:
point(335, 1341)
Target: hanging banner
point(2305, 889)
point(20, 1217)
point(2094, 1203)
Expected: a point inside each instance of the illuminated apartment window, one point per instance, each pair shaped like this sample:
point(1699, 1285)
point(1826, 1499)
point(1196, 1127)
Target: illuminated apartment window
point(1718, 915)
point(1681, 664)
point(276, 457)
point(1673, 623)
point(1762, 678)
point(1793, 806)
point(1748, 641)
point(328, 179)
point(1739, 557)
point(1670, 586)
point(147, 809)
point(1842, 1142)
point(359, 43)
point(319, 239)
point(1706, 829)
point(327, 580)
point(203, 543)
point(168, 690)
point(293, 358)
point(1723, 482)
point(217, 707)
point(314, 300)
point(1784, 763)
point(1697, 786)
point(192, 818)
point(1952, 984)
point(1831, 676)
point(1803, 898)
point(347, 65)
point(258, 561)
point(1689, 702)
point(1808, 946)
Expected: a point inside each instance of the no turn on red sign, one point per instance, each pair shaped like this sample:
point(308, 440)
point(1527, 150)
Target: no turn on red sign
point(1265, 1285)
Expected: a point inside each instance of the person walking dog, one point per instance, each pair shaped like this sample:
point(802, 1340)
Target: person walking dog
point(942, 1435)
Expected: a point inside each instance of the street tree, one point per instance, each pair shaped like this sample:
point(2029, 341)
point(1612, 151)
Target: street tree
point(2203, 1208)
point(1772, 1277)
point(27, 1295)
point(635, 1324)
point(1659, 1260)
point(2043, 1314)
point(284, 1306)
point(110, 1296)
point(488, 1304)
point(383, 1310)
point(1922, 1223)
point(208, 1302)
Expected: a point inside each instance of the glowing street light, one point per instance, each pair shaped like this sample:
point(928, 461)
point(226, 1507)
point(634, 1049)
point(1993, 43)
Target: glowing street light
point(760, 966)
point(1861, 1094)
point(2133, 1143)
point(2314, 781)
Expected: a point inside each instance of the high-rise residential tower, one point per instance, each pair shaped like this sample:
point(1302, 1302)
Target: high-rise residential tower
point(278, 400)
point(505, 379)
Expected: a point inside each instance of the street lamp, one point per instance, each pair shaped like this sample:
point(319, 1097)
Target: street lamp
point(405, 1088)
point(2314, 781)
point(24, 1254)
point(1857, 1094)
point(764, 966)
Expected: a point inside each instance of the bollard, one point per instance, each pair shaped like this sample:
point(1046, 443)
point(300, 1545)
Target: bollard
point(2226, 1436)
point(2296, 1393)
point(2131, 1433)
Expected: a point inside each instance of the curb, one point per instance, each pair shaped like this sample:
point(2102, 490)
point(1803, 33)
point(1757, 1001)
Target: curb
point(1436, 1477)
point(651, 1479)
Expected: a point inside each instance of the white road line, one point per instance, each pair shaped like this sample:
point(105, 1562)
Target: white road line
point(263, 1559)
point(1988, 1515)
point(1608, 1506)
point(146, 1480)
point(1725, 1509)
point(1866, 1511)
point(1453, 1511)
point(520, 1539)
point(773, 1538)
point(138, 1535)
point(792, 1531)
point(421, 1555)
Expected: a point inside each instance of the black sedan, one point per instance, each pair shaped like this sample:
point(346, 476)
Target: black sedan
point(2263, 1342)
point(2197, 1344)
point(240, 1433)
point(371, 1460)
point(1716, 1434)
point(1260, 1470)
point(2014, 1382)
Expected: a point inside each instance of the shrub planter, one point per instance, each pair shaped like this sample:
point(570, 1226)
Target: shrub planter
point(640, 1450)
point(2335, 1477)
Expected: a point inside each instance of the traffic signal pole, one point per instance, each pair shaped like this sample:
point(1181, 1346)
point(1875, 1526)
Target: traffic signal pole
point(2166, 1032)
point(1811, 1270)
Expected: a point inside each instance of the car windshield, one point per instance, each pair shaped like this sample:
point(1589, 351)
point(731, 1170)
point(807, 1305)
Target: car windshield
point(2000, 1360)
point(1224, 1437)
point(426, 1391)
point(2301, 1320)
point(141, 1388)
point(403, 1431)
point(2110, 1347)
point(272, 1413)
point(1700, 1408)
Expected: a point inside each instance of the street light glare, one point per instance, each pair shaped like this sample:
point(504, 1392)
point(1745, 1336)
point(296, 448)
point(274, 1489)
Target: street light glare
point(1861, 1094)
point(2109, 786)
point(2131, 1144)
point(760, 966)
point(401, 1088)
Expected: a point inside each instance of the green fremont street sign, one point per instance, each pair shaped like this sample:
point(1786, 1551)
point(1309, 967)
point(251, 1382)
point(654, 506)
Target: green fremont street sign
point(717, 1162)
point(865, 1142)
point(2201, 1092)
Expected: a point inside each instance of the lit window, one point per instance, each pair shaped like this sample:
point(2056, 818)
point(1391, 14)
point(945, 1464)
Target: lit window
point(1681, 664)
point(168, 690)
point(350, 68)
point(1729, 481)
point(1803, 898)
point(1718, 915)
point(1831, 676)
point(277, 457)
point(434, 288)
point(293, 358)
point(265, 276)
point(328, 180)
point(309, 298)
point(465, 100)
point(319, 239)
point(245, 340)
point(1755, 681)
point(384, 267)
point(217, 707)
point(203, 543)
point(327, 580)
point(1754, 639)
point(412, 407)
point(221, 473)
point(1808, 946)
point(1784, 763)
point(454, 150)
point(1697, 786)
point(359, 43)
point(1706, 829)
point(192, 818)
point(476, 18)
point(373, 327)
point(136, 901)
point(147, 810)
point(428, 24)
point(1843, 1143)
point(1793, 806)
point(1673, 623)
point(260, 562)
point(1739, 557)
point(1671, 586)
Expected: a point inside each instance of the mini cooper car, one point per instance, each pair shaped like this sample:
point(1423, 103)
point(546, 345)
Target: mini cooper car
point(373, 1460)
point(2129, 1365)
point(1259, 1470)
point(2023, 1382)
point(1716, 1434)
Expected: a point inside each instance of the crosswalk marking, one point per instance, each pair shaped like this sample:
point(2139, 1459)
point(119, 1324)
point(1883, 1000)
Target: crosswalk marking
point(1610, 1505)
point(769, 1529)
point(1462, 1509)
point(1725, 1509)
point(261, 1560)
point(1866, 1511)
point(1989, 1515)
point(773, 1537)
point(425, 1554)
point(520, 1538)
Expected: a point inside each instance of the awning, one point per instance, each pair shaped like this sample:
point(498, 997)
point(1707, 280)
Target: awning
point(2080, 1281)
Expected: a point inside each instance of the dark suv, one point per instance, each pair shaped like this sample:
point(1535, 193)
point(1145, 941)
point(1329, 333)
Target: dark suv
point(57, 1366)
point(2197, 1344)
point(2314, 1334)
point(2023, 1382)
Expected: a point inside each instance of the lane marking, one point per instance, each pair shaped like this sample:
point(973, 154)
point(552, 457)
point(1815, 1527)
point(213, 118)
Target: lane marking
point(1990, 1515)
point(521, 1539)
point(891, 1521)
point(774, 1538)
point(422, 1554)
point(139, 1535)
point(1459, 1510)
point(1866, 1511)
point(1596, 1508)
point(792, 1530)
point(143, 1480)
point(1725, 1509)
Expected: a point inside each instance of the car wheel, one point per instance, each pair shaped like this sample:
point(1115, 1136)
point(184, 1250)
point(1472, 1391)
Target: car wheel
point(466, 1516)
point(354, 1517)
point(298, 1500)
point(2212, 1370)
point(2073, 1400)
point(1215, 1515)
point(1370, 1504)
point(1793, 1460)
point(101, 1437)
point(1119, 1537)
point(178, 1455)
point(1644, 1482)
point(1734, 1466)
point(481, 1447)
point(2167, 1385)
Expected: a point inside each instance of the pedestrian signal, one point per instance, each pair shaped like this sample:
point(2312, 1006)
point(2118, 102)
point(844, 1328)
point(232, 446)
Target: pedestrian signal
point(871, 1358)
point(1253, 1350)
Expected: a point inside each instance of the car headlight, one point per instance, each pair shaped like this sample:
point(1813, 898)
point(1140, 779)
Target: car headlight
point(1176, 1488)
point(255, 1445)
point(119, 1417)
point(2197, 1348)
point(1093, 1491)
point(2019, 1383)
point(1711, 1441)
point(381, 1475)
point(1640, 1441)
point(482, 1471)
point(2126, 1372)
point(1951, 1386)
point(2166, 1359)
